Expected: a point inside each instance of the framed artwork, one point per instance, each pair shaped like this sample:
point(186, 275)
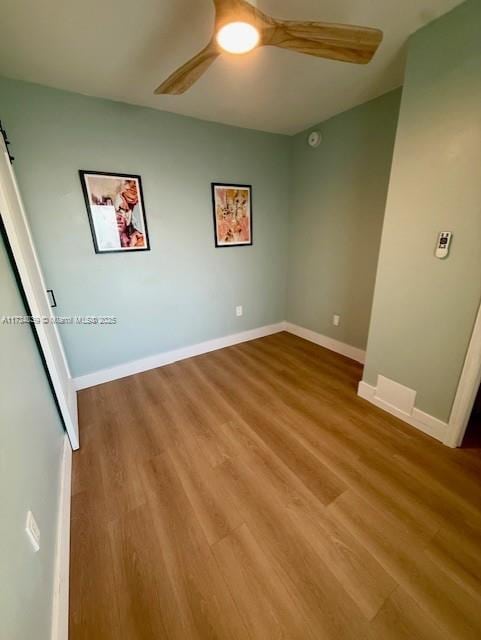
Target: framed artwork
point(115, 206)
point(232, 205)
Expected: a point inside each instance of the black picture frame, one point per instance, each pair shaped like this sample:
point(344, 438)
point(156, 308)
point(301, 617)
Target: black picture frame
point(83, 175)
point(232, 185)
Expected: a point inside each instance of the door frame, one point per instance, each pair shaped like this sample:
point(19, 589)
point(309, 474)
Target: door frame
point(28, 287)
point(28, 312)
point(468, 387)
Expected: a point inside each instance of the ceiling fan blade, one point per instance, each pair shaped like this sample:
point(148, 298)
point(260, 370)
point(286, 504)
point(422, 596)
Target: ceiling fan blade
point(333, 41)
point(190, 72)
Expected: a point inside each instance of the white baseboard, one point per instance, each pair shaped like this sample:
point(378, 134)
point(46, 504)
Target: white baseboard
point(324, 341)
point(168, 357)
point(62, 555)
point(419, 419)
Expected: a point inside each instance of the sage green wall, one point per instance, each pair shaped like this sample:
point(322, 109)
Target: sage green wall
point(182, 292)
point(31, 445)
point(424, 308)
point(337, 209)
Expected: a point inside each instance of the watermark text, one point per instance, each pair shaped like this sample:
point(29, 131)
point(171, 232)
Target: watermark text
point(59, 320)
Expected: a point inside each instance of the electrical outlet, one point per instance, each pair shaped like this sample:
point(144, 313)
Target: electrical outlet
point(239, 311)
point(33, 531)
point(336, 320)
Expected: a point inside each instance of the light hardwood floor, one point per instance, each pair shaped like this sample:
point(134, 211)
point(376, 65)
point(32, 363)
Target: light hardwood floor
point(250, 494)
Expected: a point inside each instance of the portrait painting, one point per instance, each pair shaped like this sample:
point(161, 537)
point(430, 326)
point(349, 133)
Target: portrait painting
point(115, 207)
point(232, 204)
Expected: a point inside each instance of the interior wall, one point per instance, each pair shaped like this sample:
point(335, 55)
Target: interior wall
point(184, 290)
point(425, 308)
point(31, 446)
point(338, 200)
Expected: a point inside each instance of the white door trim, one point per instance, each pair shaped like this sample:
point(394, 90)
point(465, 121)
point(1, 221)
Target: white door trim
point(60, 606)
point(35, 257)
point(467, 389)
point(26, 260)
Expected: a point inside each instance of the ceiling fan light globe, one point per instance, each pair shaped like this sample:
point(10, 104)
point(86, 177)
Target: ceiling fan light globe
point(238, 37)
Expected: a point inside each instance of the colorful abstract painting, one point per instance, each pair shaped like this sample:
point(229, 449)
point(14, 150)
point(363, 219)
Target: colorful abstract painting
point(232, 214)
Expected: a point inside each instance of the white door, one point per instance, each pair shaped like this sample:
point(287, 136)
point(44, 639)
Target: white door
point(18, 232)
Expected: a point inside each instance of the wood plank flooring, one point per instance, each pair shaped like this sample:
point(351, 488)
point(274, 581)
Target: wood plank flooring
point(250, 494)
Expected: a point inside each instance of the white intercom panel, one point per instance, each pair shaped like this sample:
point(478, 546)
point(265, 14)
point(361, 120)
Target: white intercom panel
point(444, 242)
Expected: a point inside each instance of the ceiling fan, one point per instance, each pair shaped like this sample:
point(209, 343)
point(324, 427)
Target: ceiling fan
point(240, 27)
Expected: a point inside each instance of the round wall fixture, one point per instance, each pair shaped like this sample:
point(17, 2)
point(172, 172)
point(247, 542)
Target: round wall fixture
point(314, 139)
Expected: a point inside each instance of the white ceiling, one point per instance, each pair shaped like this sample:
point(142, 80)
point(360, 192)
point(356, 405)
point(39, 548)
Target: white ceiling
point(122, 50)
